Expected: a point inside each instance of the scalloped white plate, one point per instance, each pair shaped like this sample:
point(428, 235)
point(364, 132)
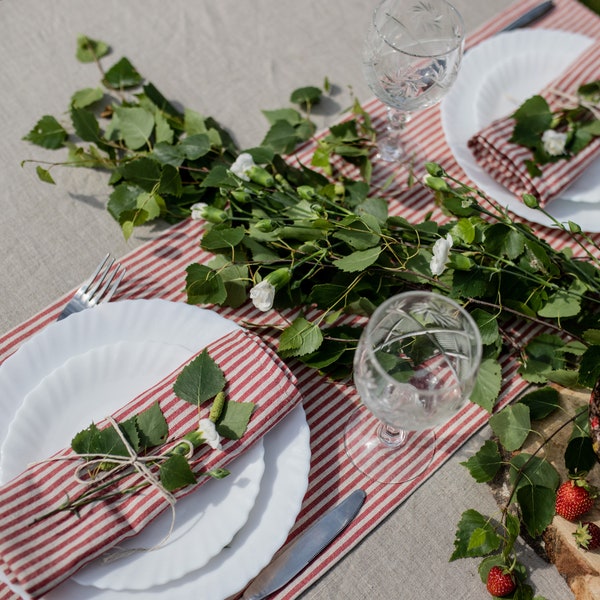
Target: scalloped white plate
point(287, 447)
point(86, 389)
point(495, 78)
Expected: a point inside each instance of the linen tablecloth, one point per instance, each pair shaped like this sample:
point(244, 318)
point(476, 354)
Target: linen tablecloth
point(158, 271)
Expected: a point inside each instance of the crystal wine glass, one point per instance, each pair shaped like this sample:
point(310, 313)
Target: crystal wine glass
point(414, 368)
point(411, 57)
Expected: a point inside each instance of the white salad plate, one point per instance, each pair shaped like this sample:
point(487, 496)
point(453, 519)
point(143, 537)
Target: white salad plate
point(495, 78)
point(51, 358)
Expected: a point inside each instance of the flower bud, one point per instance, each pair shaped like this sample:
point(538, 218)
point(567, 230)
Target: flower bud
point(306, 192)
point(436, 183)
point(434, 169)
point(530, 201)
point(264, 225)
point(261, 176)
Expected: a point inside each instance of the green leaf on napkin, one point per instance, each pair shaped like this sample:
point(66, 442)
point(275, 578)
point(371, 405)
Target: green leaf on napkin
point(484, 465)
point(234, 419)
point(199, 380)
point(475, 536)
point(176, 473)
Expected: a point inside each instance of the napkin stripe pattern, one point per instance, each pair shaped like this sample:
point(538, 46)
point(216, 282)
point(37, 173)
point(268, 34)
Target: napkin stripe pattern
point(39, 556)
point(504, 160)
point(161, 265)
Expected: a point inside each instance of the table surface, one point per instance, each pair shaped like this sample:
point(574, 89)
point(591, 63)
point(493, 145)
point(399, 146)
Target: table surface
point(230, 60)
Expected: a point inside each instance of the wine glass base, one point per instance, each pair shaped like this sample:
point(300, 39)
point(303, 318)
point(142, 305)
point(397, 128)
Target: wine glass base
point(382, 463)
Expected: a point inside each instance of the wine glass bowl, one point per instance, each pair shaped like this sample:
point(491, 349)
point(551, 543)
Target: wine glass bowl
point(411, 57)
point(414, 368)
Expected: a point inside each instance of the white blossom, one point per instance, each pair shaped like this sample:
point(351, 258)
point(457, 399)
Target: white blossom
point(209, 432)
point(198, 210)
point(554, 142)
point(441, 250)
point(243, 163)
point(262, 295)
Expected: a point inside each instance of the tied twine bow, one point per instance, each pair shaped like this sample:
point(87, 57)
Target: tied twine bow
point(141, 464)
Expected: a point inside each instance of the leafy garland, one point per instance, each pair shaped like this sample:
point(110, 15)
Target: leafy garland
point(310, 238)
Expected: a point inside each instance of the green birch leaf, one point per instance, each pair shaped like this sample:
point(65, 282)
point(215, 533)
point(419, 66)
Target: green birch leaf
point(537, 504)
point(135, 125)
point(47, 133)
point(170, 181)
point(564, 303)
point(122, 199)
point(123, 75)
point(474, 526)
point(541, 403)
point(289, 115)
point(580, 456)
point(589, 369)
point(152, 426)
point(152, 204)
point(85, 125)
point(488, 326)
point(526, 469)
point(86, 97)
point(44, 175)
point(488, 383)
point(199, 380)
point(204, 286)
point(512, 425)
point(88, 50)
point(484, 465)
point(175, 473)
point(220, 237)
point(234, 419)
point(196, 146)
point(163, 131)
point(358, 261)
point(301, 337)
point(309, 95)
point(167, 154)
point(281, 137)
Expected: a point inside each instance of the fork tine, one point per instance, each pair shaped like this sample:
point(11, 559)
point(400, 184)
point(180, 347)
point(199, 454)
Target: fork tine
point(100, 295)
point(100, 278)
point(86, 286)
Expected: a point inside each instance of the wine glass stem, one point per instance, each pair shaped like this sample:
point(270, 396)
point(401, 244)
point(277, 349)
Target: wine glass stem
point(396, 120)
point(391, 437)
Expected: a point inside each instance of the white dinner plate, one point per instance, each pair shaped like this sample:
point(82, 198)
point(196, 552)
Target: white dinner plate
point(287, 448)
point(497, 76)
point(87, 388)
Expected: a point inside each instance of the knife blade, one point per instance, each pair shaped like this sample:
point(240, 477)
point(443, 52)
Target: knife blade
point(537, 12)
point(305, 548)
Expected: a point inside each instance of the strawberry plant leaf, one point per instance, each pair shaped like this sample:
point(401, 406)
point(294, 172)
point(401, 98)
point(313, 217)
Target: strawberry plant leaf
point(474, 524)
point(200, 380)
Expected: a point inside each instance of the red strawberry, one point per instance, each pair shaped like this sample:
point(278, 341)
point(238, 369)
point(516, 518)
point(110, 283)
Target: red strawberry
point(500, 582)
point(587, 535)
point(574, 498)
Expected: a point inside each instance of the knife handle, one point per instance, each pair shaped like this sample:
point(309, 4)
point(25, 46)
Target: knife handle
point(530, 16)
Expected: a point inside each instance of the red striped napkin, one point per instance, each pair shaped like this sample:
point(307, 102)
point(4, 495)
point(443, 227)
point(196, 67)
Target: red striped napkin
point(504, 161)
point(36, 557)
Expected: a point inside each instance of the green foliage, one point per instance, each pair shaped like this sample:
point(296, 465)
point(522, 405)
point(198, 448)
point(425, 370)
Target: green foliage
point(579, 124)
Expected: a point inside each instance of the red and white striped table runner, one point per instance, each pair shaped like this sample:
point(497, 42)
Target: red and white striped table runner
point(159, 269)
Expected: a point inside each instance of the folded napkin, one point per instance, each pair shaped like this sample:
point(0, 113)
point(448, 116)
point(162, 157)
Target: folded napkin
point(36, 556)
point(504, 161)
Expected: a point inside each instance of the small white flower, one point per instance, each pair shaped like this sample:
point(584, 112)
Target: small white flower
point(441, 250)
point(198, 210)
point(243, 163)
point(262, 295)
point(554, 142)
point(209, 432)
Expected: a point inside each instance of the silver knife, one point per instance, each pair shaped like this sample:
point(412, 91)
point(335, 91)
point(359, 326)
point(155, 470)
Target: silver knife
point(305, 548)
point(537, 12)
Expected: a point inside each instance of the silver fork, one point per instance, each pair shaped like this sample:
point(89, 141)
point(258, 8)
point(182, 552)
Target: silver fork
point(98, 288)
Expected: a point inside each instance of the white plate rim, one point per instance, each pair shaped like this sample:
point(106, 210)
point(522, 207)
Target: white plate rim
point(459, 120)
